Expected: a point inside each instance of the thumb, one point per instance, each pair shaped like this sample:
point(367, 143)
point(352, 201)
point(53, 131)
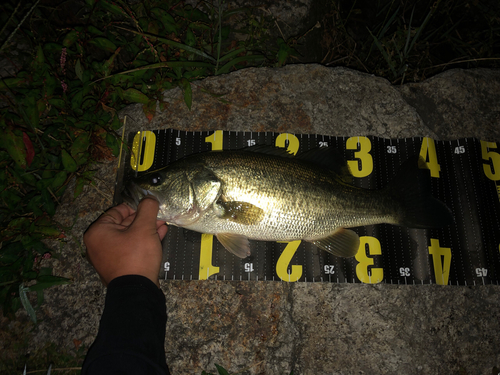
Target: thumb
point(147, 210)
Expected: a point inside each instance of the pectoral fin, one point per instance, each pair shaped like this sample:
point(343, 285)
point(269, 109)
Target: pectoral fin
point(343, 243)
point(239, 212)
point(235, 244)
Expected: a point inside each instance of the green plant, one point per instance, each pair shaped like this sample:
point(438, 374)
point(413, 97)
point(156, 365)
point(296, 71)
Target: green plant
point(220, 370)
point(50, 358)
point(60, 111)
point(398, 47)
point(409, 40)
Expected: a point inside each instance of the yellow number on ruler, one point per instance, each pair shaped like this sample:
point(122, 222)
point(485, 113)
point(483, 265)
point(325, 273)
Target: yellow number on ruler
point(293, 142)
point(216, 140)
point(377, 274)
point(362, 154)
point(206, 267)
point(441, 257)
point(491, 171)
point(285, 259)
point(148, 150)
point(428, 153)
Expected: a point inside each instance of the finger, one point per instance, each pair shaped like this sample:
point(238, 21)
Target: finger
point(116, 214)
point(147, 210)
point(162, 231)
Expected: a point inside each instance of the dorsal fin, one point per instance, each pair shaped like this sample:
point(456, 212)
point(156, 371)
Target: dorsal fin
point(269, 150)
point(328, 158)
point(325, 157)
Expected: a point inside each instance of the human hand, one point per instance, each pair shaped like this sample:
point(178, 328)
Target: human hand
point(127, 242)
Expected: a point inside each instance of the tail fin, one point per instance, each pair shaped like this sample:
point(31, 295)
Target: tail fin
point(412, 189)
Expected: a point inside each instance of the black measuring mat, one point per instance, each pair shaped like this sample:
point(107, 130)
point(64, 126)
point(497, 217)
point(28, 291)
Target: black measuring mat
point(465, 175)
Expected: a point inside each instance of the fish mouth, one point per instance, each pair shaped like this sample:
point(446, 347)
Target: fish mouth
point(132, 194)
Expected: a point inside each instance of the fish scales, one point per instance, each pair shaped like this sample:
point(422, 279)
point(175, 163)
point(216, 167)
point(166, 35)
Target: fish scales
point(299, 200)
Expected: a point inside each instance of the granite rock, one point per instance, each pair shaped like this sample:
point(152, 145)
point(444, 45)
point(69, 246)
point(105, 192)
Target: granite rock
point(458, 103)
point(297, 98)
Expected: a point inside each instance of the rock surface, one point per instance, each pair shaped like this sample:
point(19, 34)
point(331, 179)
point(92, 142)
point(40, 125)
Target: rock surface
point(276, 327)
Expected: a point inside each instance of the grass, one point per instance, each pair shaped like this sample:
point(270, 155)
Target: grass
point(409, 40)
point(47, 359)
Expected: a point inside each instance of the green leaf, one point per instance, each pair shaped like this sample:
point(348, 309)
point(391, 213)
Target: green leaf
point(47, 281)
point(166, 19)
point(58, 103)
point(190, 38)
point(50, 85)
point(94, 30)
point(34, 205)
point(68, 162)
point(39, 297)
point(26, 303)
point(188, 94)
point(108, 65)
point(232, 54)
point(70, 38)
point(31, 109)
point(20, 224)
point(115, 123)
point(79, 147)
point(44, 183)
point(226, 68)
point(104, 44)
point(59, 179)
point(193, 14)
point(15, 147)
point(76, 102)
point(113, 144)
point(79, 70)
point(12, 82)
point(134, 95)
point(221, 370)
point(80, 183)
point(111, 7)
point(47, 231)
point(39, 58)
point(48, 204)
point(29, 179)
point(53, 48)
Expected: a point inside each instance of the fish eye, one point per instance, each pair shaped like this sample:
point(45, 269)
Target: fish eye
point(156, 180)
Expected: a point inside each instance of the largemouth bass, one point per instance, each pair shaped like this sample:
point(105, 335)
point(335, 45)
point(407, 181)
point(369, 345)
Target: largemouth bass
point(264, 193)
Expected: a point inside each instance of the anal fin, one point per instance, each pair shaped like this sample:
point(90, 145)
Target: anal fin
point(235, 244)
point(343, 243)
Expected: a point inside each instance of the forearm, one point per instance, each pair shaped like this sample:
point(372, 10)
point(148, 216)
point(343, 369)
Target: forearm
point(132, 330)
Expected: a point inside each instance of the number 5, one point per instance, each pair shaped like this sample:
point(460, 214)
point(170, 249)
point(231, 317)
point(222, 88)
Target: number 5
point(491, 171)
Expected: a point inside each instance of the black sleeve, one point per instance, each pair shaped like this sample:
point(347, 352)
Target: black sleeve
point(131, 334)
